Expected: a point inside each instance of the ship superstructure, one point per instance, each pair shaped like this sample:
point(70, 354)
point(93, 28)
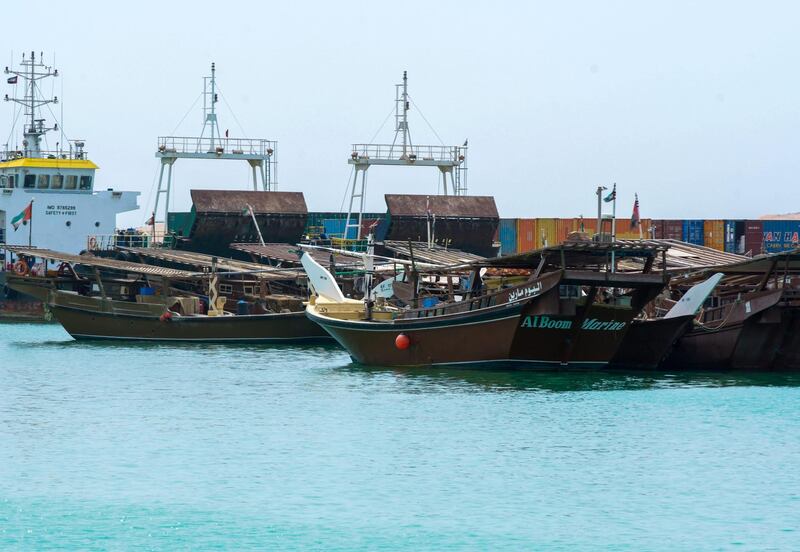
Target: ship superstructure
point(57, 182)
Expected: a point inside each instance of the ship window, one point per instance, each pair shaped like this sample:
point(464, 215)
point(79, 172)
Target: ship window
point(86, 183)
point(11, 181)
point(226, 289)
point(57, 182)
point(30, 181)
point(72, 182)
point(3, 180)
point(43, 181)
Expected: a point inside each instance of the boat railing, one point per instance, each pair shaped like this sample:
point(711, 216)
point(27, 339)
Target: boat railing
point(217, 146)
point(76, 154)
point(104, 242)
point(508, 295)
point(445, 155)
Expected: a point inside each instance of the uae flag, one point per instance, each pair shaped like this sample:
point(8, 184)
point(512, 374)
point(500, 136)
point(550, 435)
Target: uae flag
point(25, 215)
point(12, 80)
point(635, 215)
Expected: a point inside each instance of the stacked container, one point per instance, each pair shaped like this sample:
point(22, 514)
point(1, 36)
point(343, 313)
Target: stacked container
point(753, 237)
point(781, 235)
point(693, 231)
point(508, 236)
point(714, 234)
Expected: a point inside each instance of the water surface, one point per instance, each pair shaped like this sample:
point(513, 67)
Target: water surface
point(162, 447)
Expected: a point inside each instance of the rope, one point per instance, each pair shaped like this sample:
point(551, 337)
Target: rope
point(721, 325)
point(232, 113)
point(426, 120)
point(186, 114)
point(380, 128)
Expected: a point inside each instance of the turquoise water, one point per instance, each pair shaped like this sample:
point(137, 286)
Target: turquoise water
point(219, 447)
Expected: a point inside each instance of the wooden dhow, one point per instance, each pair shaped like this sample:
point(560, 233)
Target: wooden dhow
point(572, 309)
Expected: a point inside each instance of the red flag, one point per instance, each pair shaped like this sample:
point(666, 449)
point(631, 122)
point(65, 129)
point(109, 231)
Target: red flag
point(151, 221)
point(635, 215)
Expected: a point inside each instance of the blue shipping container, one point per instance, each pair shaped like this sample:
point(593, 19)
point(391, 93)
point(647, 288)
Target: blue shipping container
point(693, 231)
point(508, 236)
point(731, 239)
point(781, 235)
point(334, 228)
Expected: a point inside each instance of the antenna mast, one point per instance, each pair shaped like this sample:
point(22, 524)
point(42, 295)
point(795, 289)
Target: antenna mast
point(32, 71)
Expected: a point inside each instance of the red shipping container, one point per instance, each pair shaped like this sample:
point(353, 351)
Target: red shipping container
point(668, 229)
point(753, 237)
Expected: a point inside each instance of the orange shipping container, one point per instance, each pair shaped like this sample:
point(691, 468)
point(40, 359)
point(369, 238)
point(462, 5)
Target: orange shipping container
point(714, 234)
point(526, 235)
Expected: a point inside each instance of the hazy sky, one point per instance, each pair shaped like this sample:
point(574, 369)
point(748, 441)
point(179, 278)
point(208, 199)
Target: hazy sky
point(694, 105)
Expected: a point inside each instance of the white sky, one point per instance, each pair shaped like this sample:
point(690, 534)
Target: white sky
point(693, 105)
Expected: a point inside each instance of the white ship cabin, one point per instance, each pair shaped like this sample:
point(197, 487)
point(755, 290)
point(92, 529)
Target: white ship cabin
point(67, 212)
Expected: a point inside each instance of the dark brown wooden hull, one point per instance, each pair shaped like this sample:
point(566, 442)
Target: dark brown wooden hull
point(528, 333)
point(748, 338)
point(262, 328)
point(649, 342)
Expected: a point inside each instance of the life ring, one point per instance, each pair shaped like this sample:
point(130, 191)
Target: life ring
point(63, 270)
point(92, 243)
point(21, 268)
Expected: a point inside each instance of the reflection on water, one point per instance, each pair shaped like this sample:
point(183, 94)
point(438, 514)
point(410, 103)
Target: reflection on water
point(578, 380)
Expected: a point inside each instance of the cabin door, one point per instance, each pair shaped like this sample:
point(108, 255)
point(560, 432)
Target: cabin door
point(2, 227)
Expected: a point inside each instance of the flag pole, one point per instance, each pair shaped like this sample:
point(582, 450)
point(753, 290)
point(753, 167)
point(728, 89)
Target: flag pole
point(613, 226)
point(30, 225)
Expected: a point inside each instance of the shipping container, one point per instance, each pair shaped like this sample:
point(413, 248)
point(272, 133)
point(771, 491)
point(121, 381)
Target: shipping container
point(753, 237)
point(536, 233)
point(334, 228)
point(714, 234)
point(734, 236)
point(546, 232)
point(693, 231)
point(781, 235)
point(508, 236)
point(625, 232)
point(526, 235)
point(668, 229)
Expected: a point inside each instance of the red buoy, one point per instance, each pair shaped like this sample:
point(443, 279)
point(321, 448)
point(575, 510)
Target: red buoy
point(402, 341)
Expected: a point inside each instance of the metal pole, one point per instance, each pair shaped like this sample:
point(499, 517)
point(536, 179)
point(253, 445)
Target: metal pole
point(213, 116)
point(600, 212)
point(159, 191)
point(30, 226)
point(613, 229)
point(166, 200)
point(614, 213)
point(405, 112)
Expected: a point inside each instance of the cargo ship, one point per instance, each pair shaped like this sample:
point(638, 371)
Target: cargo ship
point(48, 196)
